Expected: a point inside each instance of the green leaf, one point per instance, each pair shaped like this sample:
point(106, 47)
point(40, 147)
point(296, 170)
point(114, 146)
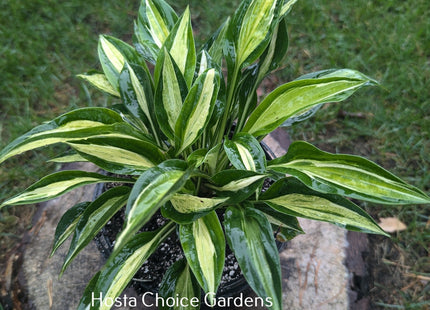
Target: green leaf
point(287, 6)
point(286, 226)
point(99, 81)
point(204, 247)
point(345, 175)
point(66, 225)
point(250, 236)
point(136, 90)
point(120, 155)
point(180, 44)
point(121, 267)
point(215, 46)
point(179, 281)
point(95, 216)
point(290, 196)
point(156, 20)
point(113, 53)
point(245, 153)
point(186, 208)
point(186, 203)
point(153, 188)
point(197, 109)
point(296, 97)
point(76, 125)
point(275, 52)
point(236, 184)
point(211, 158)
point(69, 158)
point(328, 207)
point(320, 209)
point(87, 298)
point(170, 93)
point(57, 184)
point(255, 29)
point(197, 158)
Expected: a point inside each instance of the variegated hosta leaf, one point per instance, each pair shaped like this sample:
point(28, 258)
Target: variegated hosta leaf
point(345, 175)
point(70, 158)
point(180, 44)
point(321, 209)
point(286, 226)
point(186, 208)
point(275, 52)
point(57, 184)
point(170, 93)
point(186, 203)
point(296, 97)
point(287, 6)
point(256, 25)
point(76, 125)
point(246, 153)
point(94, 217)
point(205, 62)
point(236, 184)
point(247, 94)
point(156, 20)
point(99, 81)
point(153, 188)
point(217, 43)
point(211, 158)
point(197, 109)
point(204, 247)
point(179, 281)
point(294, 198)
point(113, 53)
point(87, 299)
point(119, 155)
point(197, 158)
point(120, 268)
point(66, 225)
point(137, 95)
point(250, 236)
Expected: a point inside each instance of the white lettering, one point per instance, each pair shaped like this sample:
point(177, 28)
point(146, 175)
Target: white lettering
point(249, 302)
point(131, 302)
point(170, 302)
point(269, 302)
point(210, 299)
point(238, 302)
point(181, 302)
point(159, 301)
point(259, 301)
point(93, 299)
point(108, 302)
point(194, 302)
point(143, 299)
point(177, 301)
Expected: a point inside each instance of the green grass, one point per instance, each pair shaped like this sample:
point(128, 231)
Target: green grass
point(389, 41)
point(44, 44)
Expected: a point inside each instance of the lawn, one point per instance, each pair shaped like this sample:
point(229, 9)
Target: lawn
point(389, 41)
point(44, 44)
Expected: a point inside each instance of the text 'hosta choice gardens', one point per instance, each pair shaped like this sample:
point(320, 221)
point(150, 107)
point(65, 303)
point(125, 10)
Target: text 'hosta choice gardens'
point(184, 138)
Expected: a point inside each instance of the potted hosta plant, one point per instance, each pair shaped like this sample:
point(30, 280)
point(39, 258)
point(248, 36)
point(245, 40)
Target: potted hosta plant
point(186, 135)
